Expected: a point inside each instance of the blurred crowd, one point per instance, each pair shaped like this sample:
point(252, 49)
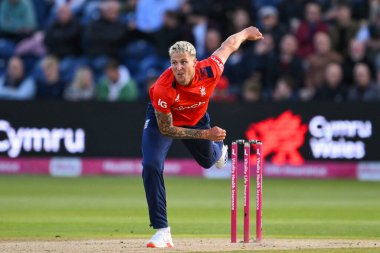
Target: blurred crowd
point(323, 50)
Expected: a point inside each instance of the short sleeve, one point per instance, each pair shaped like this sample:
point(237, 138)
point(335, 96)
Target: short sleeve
point(161, 99)
point(216, 65)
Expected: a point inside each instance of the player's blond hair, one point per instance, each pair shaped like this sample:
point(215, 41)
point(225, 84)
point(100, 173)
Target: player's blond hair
point(181, 47)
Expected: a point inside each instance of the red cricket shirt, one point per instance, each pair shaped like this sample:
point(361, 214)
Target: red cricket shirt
point(187, 104)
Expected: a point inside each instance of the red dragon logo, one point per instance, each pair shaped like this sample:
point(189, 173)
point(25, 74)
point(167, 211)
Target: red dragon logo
point(281, 137)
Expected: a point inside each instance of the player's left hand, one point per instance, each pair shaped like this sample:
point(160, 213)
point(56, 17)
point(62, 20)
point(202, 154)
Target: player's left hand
point(216, 134)
point(253, 33)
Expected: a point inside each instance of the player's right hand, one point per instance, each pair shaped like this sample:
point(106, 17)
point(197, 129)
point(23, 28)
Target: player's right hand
point(253, 33)
point(216, 134)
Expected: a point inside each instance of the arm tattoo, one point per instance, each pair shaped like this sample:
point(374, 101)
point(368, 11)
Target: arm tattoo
point(165, 124)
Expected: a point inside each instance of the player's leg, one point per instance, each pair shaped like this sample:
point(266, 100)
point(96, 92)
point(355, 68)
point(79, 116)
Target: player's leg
point(154, 148)
point(206, 152)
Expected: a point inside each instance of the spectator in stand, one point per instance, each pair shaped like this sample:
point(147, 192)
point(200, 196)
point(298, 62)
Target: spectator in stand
point(199, 23)
point(257, 61)
point(364, 89)
point(371, 35)
point(63, 36)
point(82, 88)
point(48, 80)
point(91, 11)
point(17, 22)
point(105, 37)
point(240, 66)
point(150, 13)
point(251, 91)
point(237, 21)
point(75, 6)
point(17, 19)
point(257, 4)
point(270, 25)
point(63, 40)
point(373, 10)
point(158, 61)
point(357, 54)
point(237, 68)
point(291, 13)
point(217, 12)
point(318, 61)
point(333, 88)
point(15, 85)
point(213, 41)
point(168, 34)
point(344, 30)
point(221, 10)
point(284, 90)
point(308, 28)
point(117, 85)
point(128, 11)
point(32, 46)
point(287, 63)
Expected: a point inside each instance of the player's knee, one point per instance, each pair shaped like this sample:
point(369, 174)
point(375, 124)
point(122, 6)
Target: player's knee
point(151, 167)
point(206, 164)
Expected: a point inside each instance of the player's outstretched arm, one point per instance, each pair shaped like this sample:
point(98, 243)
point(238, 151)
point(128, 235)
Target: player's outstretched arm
point(165, 124)
point(232, 43)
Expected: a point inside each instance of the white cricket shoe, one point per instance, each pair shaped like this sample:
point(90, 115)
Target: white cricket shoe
point(223, 158)
point(161, 239)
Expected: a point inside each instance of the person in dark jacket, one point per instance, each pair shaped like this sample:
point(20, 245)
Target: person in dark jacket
point(308, 29)
point(48, 80)
point(15, 84)
point(333, 88)
point(63, 40)
point(270, 24)
point(63, 37)
point(364, 88)
point(107, 35)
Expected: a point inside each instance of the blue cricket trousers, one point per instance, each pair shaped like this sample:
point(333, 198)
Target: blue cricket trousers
point(155, 147)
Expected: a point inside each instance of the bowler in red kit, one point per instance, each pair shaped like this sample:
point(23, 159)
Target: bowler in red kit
point(178, 110)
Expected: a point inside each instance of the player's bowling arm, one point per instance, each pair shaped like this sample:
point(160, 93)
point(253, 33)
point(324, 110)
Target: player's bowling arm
point(165, 124)
point(232, 43)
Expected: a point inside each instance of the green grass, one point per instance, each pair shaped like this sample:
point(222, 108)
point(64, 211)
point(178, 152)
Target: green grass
point(38, 207)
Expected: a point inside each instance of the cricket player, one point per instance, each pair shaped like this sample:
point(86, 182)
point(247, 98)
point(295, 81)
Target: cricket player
point(178, 110)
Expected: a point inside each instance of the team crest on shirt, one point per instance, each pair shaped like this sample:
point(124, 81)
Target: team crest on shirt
point(177, 98)
point(203, 91)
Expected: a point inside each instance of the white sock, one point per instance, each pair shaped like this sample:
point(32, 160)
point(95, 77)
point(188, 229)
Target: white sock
point(167, 229)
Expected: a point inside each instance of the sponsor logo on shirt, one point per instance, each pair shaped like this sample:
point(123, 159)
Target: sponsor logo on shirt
point(162, 103)
point(203, 91)
point(177, 98)
point(181, 108)
point(218, 62)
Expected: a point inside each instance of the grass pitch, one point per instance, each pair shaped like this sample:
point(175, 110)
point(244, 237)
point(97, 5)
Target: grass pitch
point(41, 207)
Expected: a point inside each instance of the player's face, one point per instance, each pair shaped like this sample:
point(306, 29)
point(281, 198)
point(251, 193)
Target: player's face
point(183, 66)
